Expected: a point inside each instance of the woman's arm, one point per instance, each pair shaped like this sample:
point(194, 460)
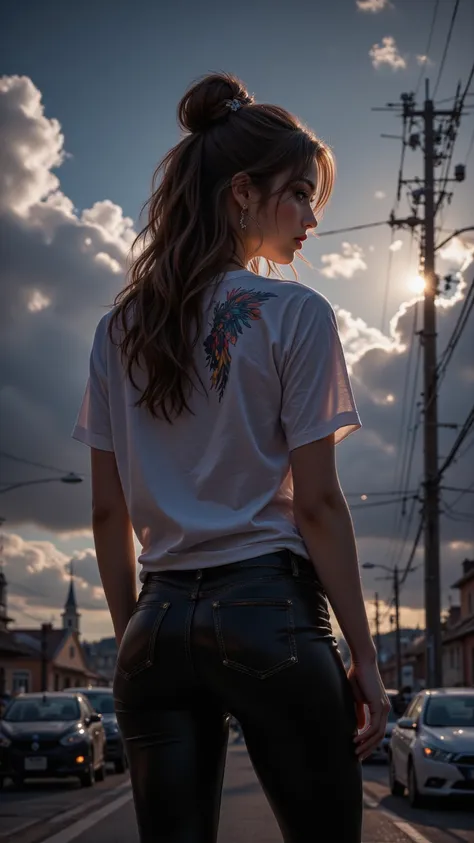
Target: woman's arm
point(324, 521)
point(113, 539)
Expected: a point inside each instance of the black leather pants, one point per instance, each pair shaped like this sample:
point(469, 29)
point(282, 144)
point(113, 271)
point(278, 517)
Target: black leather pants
point(252, 639)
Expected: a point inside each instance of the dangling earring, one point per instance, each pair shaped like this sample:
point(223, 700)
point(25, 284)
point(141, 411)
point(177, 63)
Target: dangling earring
point(243, 223)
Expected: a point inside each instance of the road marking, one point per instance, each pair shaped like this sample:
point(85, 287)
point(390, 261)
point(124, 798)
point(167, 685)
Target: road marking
point(86, 806)
point(405, 827)
point(80, 826)
point(410, 832)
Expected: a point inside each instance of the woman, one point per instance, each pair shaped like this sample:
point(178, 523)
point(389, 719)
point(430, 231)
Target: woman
point(215, 400)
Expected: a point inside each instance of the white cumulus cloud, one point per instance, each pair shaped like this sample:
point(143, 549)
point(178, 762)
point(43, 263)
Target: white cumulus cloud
point(373, 5)
point(388, 54)
point(344, 264)
point(396, 246)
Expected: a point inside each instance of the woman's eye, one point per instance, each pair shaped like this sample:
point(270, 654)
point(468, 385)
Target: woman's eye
point(302, 193)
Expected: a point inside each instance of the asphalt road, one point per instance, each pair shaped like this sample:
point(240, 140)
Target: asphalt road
point(53, 813)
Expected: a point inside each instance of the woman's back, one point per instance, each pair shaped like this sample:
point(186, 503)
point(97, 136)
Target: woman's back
point(214, 487)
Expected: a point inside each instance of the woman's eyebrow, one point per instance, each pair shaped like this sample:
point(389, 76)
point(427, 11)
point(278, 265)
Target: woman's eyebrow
point(310, 184)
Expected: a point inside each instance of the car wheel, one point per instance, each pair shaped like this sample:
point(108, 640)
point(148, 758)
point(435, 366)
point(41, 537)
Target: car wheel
point(396, 787)
point(414, 798)
point(121, 764)
point(87, 778)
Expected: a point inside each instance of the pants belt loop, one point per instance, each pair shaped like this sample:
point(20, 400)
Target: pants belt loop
point(294, 564)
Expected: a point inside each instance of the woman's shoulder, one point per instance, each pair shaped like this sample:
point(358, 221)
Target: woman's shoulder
point(295, 294)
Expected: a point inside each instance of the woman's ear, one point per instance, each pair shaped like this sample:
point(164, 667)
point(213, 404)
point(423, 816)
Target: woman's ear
point(241, 187)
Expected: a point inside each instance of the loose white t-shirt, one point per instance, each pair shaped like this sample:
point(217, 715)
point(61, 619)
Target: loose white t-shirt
point(215, 487)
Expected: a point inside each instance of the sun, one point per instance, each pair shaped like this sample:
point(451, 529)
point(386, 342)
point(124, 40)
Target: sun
point(416, 283)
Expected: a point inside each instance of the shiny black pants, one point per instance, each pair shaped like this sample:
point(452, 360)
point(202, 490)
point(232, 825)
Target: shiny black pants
point(252, 639)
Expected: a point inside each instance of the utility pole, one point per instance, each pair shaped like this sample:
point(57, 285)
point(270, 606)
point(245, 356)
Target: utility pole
point(45, 627)
point(377, 626)
point(430, 400)
point(398, 649)
point(431, 154)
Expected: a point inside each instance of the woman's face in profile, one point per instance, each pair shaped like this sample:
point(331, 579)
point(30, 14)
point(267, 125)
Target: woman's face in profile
point(277, 238)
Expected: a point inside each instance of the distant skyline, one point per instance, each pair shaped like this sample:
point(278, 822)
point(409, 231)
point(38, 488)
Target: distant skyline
point(88, 97)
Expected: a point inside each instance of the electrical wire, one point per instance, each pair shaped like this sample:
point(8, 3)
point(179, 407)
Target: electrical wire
point(351, 228)
point(469, 149)
point(468, 424)
point(36, 464)
point(446, 46)
point(428, 46)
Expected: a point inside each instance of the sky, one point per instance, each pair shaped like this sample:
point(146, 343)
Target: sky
point(88, 96)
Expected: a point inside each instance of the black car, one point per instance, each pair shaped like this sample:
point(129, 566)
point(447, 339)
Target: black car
point(51, 735)
point(102, 701)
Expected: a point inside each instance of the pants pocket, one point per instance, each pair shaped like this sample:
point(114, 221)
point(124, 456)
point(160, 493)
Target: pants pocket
point(255, 636)
point(137, 649)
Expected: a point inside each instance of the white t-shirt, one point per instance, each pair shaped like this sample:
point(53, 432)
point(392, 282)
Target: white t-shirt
point(215, 487)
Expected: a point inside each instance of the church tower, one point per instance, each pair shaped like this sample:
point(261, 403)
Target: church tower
point(70, 615)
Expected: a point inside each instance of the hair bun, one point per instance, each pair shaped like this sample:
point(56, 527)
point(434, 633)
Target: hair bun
point(204, 103)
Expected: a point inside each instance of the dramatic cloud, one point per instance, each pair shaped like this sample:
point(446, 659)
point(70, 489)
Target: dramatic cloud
point(372, 5)
point(61, 271)
point(346, 264)
point(387, 54)
point(39, 572)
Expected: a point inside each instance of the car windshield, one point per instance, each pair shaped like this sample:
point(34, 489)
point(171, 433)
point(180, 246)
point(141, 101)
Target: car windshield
point(103, 703)
point(42, 710)
point(452, 710)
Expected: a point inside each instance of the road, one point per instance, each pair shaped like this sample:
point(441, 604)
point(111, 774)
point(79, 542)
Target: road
point(52, 813)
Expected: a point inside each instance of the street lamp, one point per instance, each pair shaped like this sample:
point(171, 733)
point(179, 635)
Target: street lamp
point(68, 478)
point(394, 574)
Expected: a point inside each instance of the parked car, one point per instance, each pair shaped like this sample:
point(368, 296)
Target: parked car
point(102, 700)
point(51, 735)
point(432, 746)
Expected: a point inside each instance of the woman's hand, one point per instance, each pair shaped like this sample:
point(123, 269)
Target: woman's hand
point(368, 690)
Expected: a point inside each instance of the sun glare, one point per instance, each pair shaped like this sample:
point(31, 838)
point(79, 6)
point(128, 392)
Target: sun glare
point(416, 283)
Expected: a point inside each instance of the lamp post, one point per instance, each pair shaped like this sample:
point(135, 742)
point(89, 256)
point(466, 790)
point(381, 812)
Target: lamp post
point(68, 478)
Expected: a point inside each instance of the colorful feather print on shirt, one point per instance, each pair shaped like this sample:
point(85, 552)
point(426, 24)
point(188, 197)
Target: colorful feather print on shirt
point(240, 308)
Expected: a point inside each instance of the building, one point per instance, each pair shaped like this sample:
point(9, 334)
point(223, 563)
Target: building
point(46, 658)
point(101, 659)
point(10, 651)
point(458, 642)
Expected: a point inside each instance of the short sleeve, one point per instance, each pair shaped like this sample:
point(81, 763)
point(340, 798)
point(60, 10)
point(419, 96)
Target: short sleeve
point(93, 426)
point(317, 397)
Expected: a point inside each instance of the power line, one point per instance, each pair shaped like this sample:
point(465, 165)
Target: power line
point(351, 228)
point(383, 503)
point(413, 550)
point(469, 422)
point(458, 329)
point(36, 464)
point(446, 46)
point(428, 46)
point(469, 149)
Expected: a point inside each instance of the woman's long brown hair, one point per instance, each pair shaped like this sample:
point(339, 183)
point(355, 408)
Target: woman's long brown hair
point(188, 239)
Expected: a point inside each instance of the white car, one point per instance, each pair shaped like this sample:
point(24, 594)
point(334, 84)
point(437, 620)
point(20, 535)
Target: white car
point(432, 746)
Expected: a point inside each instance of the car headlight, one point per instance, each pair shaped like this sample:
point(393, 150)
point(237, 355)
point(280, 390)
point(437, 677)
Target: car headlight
point(4, 741)
point(435, 754)
point(77, 736)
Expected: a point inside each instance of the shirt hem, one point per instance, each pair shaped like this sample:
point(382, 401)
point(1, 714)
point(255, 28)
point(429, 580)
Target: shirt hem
point(343, 424)
point(94, 440)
